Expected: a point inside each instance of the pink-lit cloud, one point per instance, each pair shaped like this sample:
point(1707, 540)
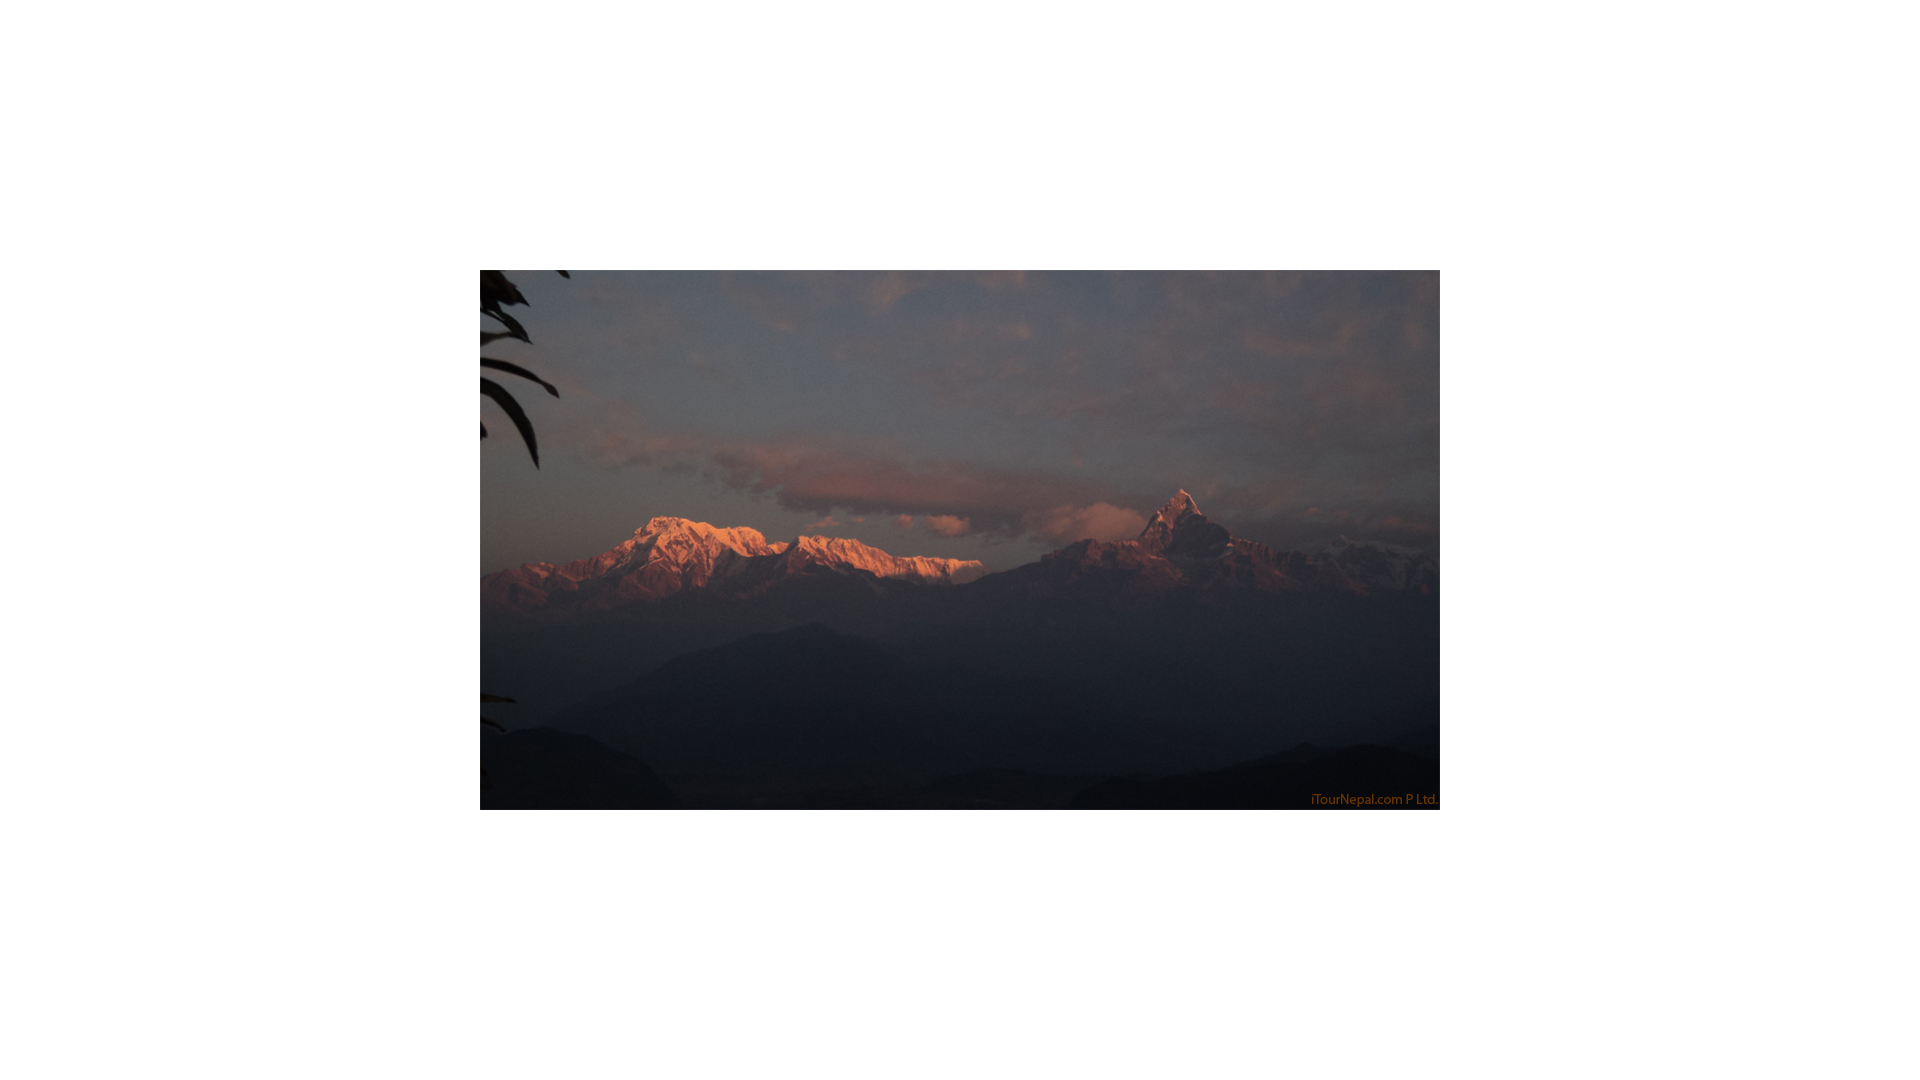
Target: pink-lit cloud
point(947, 525)
point(639, 448)
point(887, 289)
point(1001, 279)
point(950, 499)
point(822, 476)
point(1101, 521)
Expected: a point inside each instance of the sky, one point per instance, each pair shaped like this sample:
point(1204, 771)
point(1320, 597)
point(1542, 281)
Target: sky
point(992, 416)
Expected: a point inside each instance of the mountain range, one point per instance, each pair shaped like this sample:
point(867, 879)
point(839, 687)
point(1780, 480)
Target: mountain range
point(1179, 550)
point(669, 555)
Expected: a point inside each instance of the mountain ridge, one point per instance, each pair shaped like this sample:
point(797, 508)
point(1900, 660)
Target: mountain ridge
point(670, 555)
point(1182, 550)
point(1179, 551)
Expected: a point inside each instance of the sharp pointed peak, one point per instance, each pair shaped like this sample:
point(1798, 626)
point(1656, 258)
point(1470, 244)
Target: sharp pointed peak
point(1178, 508)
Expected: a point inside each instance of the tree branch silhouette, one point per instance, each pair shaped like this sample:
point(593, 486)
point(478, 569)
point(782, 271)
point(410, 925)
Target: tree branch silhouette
point(496, 294)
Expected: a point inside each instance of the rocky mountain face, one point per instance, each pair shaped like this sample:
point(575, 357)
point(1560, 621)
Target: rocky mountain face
point(670, 555)
point(1181, 550)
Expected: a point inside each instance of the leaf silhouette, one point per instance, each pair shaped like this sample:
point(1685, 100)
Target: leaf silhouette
point(483, 429)
point(513, 325)
point(496, 291)
point(494, 724)
point(516, 369)
point(491, 335)
point(564, 274)
point(514, 413)
point(484, 696)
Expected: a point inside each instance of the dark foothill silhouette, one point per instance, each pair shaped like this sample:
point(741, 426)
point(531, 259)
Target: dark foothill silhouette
point(1285, 781)
point(546, 769)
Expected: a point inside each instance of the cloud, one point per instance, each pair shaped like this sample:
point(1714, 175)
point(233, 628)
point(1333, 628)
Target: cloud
point(821, 476)
point(1101, 521)
point(1308, 529)
point(888, 288)
point(951, 498)
point(947, 525)
point(614, 434)
point(669, 452)
point(1292, 366)
point(1411, 525)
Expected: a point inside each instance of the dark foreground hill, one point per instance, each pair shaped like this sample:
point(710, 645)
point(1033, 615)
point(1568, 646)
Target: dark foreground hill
point(544, 769)
point(811, 717)
point(1305, 778)
point(810, 699)
point(1235, 679)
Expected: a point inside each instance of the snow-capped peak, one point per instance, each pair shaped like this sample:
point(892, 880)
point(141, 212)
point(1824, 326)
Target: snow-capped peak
point(671, 554)
point(1160, 527)
point(666, 534)
point(852, 554)
point(1180, 506)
